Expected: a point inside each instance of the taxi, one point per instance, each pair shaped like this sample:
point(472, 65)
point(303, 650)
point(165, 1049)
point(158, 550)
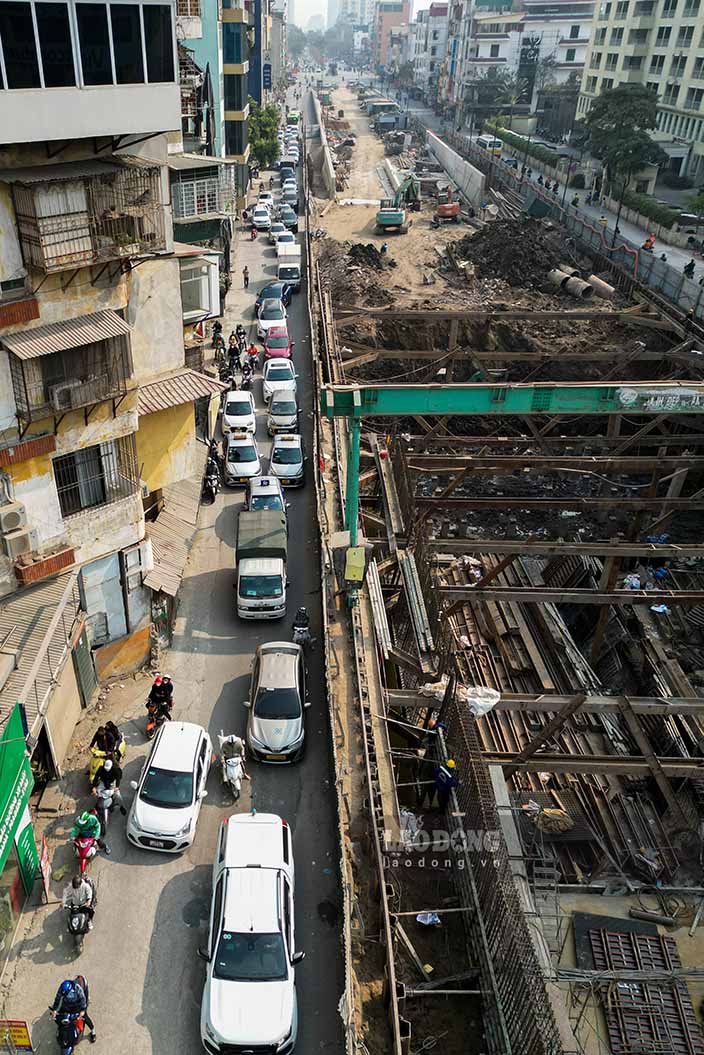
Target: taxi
point(287, 462)
point(241, 458)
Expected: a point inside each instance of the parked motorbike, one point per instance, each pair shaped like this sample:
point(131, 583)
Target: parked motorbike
point(78, 920)
point(232, 754)
point(86, 848)
point(69, 1031)
point(211, 481)
point(320, 232)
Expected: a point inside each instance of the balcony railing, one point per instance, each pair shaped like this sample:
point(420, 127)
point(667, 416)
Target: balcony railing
point(53, 385)
point(69, 223)
point(188, 8)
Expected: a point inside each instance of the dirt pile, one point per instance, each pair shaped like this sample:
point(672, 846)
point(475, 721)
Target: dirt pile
point(519, 253)
point(369, 256)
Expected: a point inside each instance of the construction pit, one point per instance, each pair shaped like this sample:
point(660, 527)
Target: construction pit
point(533, 609)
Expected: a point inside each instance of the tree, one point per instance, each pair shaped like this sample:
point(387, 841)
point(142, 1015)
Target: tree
point(405, 75)
point(262, 128)
point(697, 205)
point(295, 42)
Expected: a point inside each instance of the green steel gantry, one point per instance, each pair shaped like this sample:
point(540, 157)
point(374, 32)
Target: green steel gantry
point(355, 402)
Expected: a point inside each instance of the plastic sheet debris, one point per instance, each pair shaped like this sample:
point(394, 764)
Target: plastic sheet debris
point(429, 919)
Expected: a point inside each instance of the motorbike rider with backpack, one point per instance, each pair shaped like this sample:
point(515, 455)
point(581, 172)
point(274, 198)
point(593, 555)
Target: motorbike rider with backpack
point(79, 895)
point(246, 373)
point(72, 1000)
point(87, 826)
point(301, 628)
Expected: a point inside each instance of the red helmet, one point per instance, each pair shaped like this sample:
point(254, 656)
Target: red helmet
point(157, 679)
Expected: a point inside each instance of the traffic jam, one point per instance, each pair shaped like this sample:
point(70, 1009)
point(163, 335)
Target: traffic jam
point(249, 997)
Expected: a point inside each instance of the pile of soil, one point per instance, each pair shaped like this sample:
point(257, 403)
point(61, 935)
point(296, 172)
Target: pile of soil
point(521, 253)
point(369, 256)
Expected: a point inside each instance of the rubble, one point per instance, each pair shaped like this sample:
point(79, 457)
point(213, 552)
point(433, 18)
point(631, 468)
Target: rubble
point(521, 253)
point(369, 256)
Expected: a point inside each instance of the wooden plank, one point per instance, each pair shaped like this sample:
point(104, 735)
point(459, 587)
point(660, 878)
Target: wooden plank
point(615, 765)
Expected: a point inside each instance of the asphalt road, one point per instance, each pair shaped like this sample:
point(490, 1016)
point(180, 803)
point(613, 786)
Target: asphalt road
point(140, 960)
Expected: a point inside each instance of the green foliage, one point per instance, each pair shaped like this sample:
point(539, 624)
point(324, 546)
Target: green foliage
point(672, 179)
point(647, 206)
point(616, 130)
point(262, 128)
point(577, 181)
point(406, 74)
point(539, 153)
point(697, 203)
point(295, 42)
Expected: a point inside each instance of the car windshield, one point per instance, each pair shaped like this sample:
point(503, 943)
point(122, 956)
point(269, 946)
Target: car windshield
point(237, 409)
point(167, 788)
point(288, 272)
point(286, 455)
point(272, 311)
point(277, 703)
point(241, 454)
point(267, 502)
point(285, 407)
point(271, 292)
point(277, 342)
point(260, 212)
point(250, 957)
point(287, 237)
point(260, 586)
point(279, 373)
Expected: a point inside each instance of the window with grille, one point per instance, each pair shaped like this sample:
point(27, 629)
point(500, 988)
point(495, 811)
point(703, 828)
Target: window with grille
point(96, 476)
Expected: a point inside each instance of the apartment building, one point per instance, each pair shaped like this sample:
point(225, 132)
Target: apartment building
point(91, 308)
point(278, 44)
point(389, 15)
point(658, 43)
point(333, 12)
point(429, 42)
point(453, 73)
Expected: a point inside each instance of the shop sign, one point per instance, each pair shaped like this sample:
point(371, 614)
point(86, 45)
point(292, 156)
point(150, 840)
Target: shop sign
point(266, 73)
point(15, 1035)
point(27, 850)
point(16, 781)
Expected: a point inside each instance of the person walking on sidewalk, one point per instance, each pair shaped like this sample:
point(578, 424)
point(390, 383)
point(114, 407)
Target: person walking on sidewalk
point(245, 276)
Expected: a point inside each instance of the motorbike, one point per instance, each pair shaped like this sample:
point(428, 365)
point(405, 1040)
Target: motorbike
point(320, 232)
point(157, 714)
point(301, 629)
point(232, 766)
point(86, 848)
point(97, 757)
point(217, 333)
point(107, 798)
point(78, 921)
point(69, 1031)
point(211, 481)
point(246, 381)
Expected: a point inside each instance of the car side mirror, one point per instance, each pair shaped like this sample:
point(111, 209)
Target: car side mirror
point(204, 953)
point(204, 794)
point(297, 958)
point(307, 703)
point(134, 785)
point(246, 703)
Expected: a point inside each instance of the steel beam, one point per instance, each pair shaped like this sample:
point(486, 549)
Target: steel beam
point(341, 314)
point(616, 765)
point(544, 398)
point(545, 595)
point(496, 463)
point(694, 439)
point(549, 704)
point(559, 549)
point(513, 501)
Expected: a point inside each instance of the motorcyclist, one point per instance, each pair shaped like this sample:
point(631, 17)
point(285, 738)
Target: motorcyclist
point(233, 747)
point(79, 894)
point(246, 372)
point(118, 749)
point(72, 999)
point(110, 777)
point(87, 826)
point(162, 690)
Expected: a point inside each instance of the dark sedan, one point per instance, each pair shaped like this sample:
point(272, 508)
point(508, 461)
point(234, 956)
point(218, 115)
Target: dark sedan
point(275, 291)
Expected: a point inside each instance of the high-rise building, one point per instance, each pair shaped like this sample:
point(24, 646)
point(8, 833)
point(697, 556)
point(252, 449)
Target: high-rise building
point(658, 43)
point(333, 13)
point(427, 53)
point(389, 15)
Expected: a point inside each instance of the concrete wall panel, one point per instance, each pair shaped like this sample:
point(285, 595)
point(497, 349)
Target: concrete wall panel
point(11, 265)
point(63, 711)
point(468, 179)
point(110, 527)
point(166, 446)
point(155, 314)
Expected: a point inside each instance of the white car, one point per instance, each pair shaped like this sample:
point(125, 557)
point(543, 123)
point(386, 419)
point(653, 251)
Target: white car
point(271, 313)
point(287, 461)
point(286, 237)
point(241, 459)
point(261, 218)
point(275, 230)
point(164, 812)
point(289, 184)
point(266, 199)
point(249, 998)
point(278, 374)
point(238, 413)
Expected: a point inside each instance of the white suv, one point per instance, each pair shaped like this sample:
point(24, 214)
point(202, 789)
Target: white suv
point(249, 998)
point(171, 789)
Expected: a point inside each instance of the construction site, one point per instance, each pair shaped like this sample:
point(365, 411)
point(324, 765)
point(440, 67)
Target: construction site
point(513, 433)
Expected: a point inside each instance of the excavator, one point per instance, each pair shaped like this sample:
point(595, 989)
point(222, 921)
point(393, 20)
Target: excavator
point(392, 214)
point(447, 211)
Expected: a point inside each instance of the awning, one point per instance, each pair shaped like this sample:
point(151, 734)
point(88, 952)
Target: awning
point(171, 535)
point(185, 250)
point(60, 336)
point(175, 389)
point(53, 173)
point(184, 162)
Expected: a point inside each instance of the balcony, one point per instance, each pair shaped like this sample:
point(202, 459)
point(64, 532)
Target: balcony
point(84, 213)
point(67, 366)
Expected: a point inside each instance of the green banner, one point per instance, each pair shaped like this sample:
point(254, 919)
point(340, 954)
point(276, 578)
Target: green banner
point(16, 781)
point(27, 850)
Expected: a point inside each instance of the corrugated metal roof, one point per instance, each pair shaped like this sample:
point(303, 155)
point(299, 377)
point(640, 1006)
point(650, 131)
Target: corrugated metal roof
point(171, 535)
point(52, 173)
point(30, 613)
point(59, 336)
point(183, 387)
point(185, 249)
point(181, 162)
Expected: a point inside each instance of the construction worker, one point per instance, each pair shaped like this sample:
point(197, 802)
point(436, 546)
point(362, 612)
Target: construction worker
point(445, 781)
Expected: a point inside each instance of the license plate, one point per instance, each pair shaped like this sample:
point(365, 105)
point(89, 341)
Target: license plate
point(157, 843)
point(276, 758)
point(244, 480)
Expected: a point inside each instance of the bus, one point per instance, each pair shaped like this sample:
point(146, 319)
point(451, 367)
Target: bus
point(294, 117)
point(490, 144)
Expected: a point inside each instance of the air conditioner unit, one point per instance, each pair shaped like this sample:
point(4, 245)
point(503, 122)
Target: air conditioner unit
point(61, 396)
point(12, 517)
point(17, 543)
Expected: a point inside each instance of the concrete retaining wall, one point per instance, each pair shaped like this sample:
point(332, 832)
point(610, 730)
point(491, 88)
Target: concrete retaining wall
point(328, 169)
point(470, 180)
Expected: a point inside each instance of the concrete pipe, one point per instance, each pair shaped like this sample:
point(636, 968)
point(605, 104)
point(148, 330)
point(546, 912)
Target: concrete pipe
point(573, 272)
point(601, 288)
point(578, 289)
point(558, 278)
